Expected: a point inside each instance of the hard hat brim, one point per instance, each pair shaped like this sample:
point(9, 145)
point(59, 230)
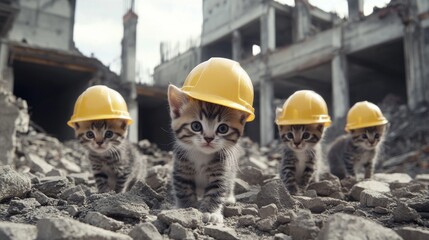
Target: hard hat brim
point(365, 125)
point(99, 117)
point(326, 122)
point(224, 102)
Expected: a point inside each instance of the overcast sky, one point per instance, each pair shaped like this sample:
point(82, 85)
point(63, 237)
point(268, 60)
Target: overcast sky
point(98, 27)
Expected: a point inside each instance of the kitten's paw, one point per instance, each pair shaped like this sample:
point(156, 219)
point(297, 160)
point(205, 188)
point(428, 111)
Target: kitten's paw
point(212, 217)
point(293, 189)
point(230, 200)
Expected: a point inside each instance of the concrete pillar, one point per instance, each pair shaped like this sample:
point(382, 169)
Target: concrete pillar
point(236, 46)
point(340, 80)
point(414, 57)
point(6, 72)
point(340, 86)
point(355, 9)
point(128, 69)
point(266, 95)
point(302, 20)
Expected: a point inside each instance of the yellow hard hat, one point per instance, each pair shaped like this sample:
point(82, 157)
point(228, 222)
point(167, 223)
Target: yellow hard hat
point(221, 81)
point(364, 114)
point(99, 102)
point(304, 107)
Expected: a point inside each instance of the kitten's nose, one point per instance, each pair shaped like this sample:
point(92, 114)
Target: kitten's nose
point(99, 143)
point(208, 139)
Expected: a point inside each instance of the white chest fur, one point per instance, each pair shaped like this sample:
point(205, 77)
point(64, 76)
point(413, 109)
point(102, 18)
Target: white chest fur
point(300, 164)
point(200, 161)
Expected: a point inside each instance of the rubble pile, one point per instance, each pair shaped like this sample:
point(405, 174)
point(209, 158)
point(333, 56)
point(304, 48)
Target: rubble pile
point(50, 193)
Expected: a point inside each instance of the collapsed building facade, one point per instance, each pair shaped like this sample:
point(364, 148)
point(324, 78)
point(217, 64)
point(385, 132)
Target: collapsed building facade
point(303, 47)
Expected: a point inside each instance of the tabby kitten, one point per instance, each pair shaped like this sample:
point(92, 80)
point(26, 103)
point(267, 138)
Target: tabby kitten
point(355, 150)
point(205, 154)
point(115, 162)
point(301, 155)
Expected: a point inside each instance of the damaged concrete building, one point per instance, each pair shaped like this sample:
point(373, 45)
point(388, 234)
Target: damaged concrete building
point(40, 63)
point(303, 47)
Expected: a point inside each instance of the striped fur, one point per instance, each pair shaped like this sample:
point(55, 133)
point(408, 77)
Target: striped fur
point(349, 153)
point(115, 162)
point(205, 154)
point(301, 155)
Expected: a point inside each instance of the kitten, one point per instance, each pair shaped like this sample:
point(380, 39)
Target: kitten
point(350, 152)
point(205, 154)
point(301, 155)
point(115, 162)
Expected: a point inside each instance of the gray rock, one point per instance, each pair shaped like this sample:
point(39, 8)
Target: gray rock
point(70, 165)
point(275, 192)
point(392, 177)
point(413, 233)
point(316, 205)
point(257, 163)
point(189, 217)
point(101, 221)
point(422, 177)
point(266, 224)
point(370, 185)
point(63, 228)
point(282, 236)
point(144, 231)
point(73, 210)
point(325, 187)
point(17, 231)
point(246, 220)
point(40, 197)
point(55, 172)
point(77, 198)
point(248, 197)
point(177, 231)
point(220, 232)
point(419, 204)
point(370, 198)
point(241, 186)
point(22, 206)
point(303, 226)
point(250, 211)
point(344, 226)
point(403, 213)
point(146, 193)
point(268, 211)
point(381, 210)
point(128, 204)
point(14, 117)
point(53, 186)
point(66, 193)
point(251, 175)
point(37, 164)
point(80, 178)
point(13, 184)
point(230, 211)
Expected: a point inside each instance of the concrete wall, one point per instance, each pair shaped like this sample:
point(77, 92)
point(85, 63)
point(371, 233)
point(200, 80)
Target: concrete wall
point(220, 12)
point(177, 69)
point(45, 23)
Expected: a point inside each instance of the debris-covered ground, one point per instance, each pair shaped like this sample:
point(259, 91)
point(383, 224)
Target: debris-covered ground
point(47, 192)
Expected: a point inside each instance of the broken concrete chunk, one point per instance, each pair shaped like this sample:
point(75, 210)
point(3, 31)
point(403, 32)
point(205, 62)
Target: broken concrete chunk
point(189, 217)
point(37, 164)
point(325, 187)
point(303, 226)
point(370, 185)
point(344, 226)
point(17, 231)
point(275, 192)
point(268, 211)
point(413, 233)
point(241, 186)
point(52, 186)
point(266, 224)
point(177, 231)
point(63, 228)
point(145, 231)
point(403, 213)
point(220, 232)
point(99, 220)
point(22, 206)
point(246, 220)
point(251, 175)
point(370, 198)
point(13, 184)
point(392, 177)
point(230, 211)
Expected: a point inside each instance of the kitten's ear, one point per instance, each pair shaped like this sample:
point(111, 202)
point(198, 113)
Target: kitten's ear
point(243, 118)
point(124, 124)
point(76, 126)
point(320, 127)
point(278, 111)
point(176, 99)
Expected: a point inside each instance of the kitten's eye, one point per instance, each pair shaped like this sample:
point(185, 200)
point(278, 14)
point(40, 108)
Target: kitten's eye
point(223, 128)
point(364, 136)
point(289, 135)
point(306, 136)
point(377, 136)
point(108, 134)
point(196, 126)
point(90, 134)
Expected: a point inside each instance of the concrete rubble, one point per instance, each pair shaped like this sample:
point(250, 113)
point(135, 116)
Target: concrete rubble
point(49, 191)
